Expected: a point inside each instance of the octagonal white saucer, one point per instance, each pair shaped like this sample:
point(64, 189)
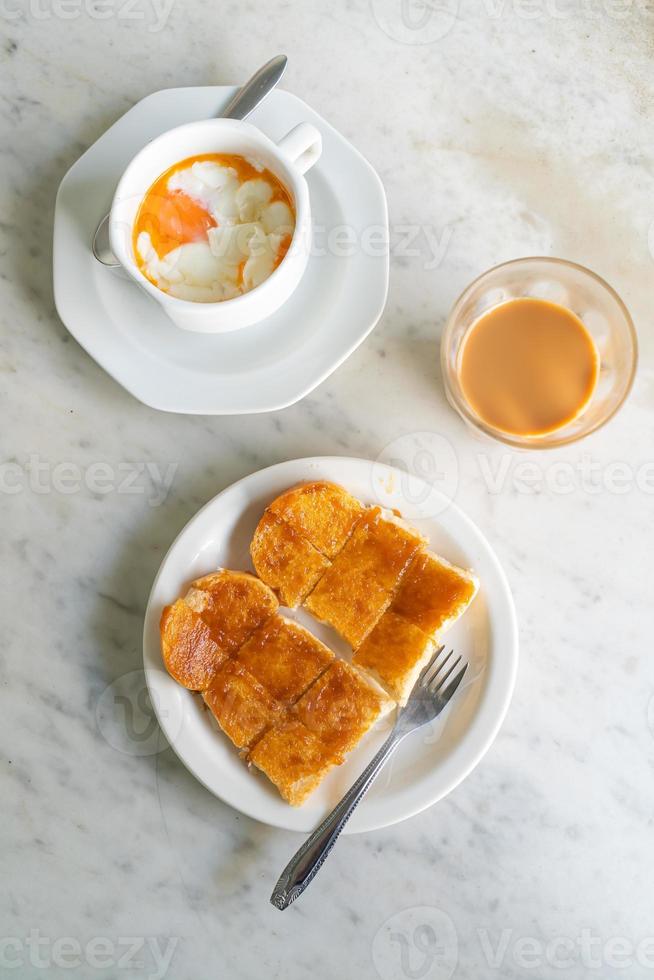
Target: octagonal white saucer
point(264, 367)
point(430, 762)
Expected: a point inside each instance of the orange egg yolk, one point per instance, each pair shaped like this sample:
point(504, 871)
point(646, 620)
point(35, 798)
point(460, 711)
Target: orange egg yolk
point(172, 218)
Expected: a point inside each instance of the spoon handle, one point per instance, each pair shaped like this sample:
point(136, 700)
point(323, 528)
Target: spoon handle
point(250, 95)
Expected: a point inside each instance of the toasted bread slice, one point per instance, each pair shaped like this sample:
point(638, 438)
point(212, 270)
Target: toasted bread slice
point(285, 559)
point(394, 653)
point(341, 706)
point(240, 705)
point(433, 593)
point(232, 604)
point(324, 513)
point(285, 658)
point(190, 652)
point(355, 591)
point(294, 759)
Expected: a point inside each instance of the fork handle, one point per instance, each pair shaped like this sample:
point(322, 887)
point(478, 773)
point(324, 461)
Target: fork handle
point(308, 860)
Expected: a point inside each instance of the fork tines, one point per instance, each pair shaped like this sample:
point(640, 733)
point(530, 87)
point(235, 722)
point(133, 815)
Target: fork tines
point(433, 678)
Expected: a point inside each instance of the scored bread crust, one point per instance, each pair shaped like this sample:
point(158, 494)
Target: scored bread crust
point(285, 657)
point(341, 706)
point(243, 708)
point(431, 596)
point(353, 594)
point(294, 759)
point(232, 604)
point(217, 615)
point(285, 559)
point(324, 513)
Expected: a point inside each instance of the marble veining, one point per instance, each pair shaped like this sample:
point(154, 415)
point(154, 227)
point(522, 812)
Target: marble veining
point(500, 129)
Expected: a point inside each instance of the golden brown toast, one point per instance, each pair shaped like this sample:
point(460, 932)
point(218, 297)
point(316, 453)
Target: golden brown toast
point(322, 512)
point(294, 759)
point(273, 688)
point(214, 619)
point(285, 658)
point(394, 653)
point(341, 706)
point(433, 593)
point(286, 560)
point(355, 591)
point(190, 653)
point(241, 705)
point(232, 604)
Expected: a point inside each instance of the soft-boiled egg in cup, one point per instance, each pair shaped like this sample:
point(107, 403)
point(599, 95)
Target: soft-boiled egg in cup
point(212, 227)
point(213, 220)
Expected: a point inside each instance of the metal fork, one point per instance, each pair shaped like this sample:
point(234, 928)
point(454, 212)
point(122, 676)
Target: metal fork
point(426, 701)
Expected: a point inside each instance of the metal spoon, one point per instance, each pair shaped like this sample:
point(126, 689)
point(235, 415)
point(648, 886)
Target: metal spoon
point(244, 102)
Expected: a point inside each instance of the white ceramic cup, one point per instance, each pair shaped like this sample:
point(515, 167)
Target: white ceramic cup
point(288, 160)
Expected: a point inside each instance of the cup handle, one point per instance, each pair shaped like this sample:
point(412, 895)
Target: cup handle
point(301, 146)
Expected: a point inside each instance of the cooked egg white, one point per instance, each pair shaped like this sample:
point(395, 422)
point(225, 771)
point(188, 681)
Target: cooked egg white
point(238, 254)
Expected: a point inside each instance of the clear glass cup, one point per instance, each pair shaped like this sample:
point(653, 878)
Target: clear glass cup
point(596, 304)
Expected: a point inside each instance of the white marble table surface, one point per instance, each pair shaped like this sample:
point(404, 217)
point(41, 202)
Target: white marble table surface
point(509, 128)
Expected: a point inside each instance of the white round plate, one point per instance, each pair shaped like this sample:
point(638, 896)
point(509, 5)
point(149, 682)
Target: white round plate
point(261, 368)
point(430, 762)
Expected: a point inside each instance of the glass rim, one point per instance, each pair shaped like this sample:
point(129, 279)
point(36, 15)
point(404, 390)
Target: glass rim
point(546, 440)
